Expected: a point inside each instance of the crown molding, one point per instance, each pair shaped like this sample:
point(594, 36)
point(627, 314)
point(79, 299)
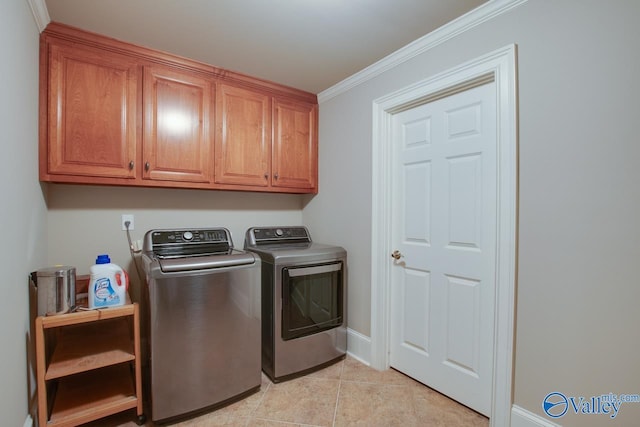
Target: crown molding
point(40, 13)
point(481, 14)
point(477, 16)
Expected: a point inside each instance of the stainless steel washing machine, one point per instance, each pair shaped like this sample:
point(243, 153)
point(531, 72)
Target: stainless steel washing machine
point(204, 305)
point(304, 300)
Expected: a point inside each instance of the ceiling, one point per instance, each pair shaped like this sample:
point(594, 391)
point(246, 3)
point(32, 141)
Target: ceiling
point(306, 44)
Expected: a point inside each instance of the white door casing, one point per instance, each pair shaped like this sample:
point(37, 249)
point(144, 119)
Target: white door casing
point(500, 67)
point(443, 226)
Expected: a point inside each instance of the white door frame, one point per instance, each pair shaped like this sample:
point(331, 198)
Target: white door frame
point(498, 66)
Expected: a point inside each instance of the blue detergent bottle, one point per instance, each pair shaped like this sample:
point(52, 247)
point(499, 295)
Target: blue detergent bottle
point(107, 285)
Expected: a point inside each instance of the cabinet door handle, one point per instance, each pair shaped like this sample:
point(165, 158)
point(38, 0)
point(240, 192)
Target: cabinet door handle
point(147, 166)
point(266, 175)
point(276, 176)
point(131, 164)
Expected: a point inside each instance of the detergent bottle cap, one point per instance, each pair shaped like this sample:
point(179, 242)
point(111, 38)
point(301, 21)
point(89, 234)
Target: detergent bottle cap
point(103, 259)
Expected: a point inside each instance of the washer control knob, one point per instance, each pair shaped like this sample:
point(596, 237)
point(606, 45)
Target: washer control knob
point(279, 232)
point(187, 235)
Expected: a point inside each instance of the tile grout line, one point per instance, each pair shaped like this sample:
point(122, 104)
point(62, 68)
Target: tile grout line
point(335, 410)
point(252, 414)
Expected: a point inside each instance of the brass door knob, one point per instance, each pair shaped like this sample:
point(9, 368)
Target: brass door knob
point(396, 254)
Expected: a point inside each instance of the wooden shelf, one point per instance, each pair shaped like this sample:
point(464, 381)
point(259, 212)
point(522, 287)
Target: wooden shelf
point(84, 316)
point(93, 395)
point(95, 345)
point(88, 365)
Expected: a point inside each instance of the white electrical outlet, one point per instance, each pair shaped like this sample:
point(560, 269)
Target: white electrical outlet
point(125, 218)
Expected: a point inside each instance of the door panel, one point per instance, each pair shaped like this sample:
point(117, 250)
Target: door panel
point(89, 137)
point(178, 112)
point(443, 284)
point(243, 142)
point(463, 321)
point(295, 145)
point(418, 188)
point(415, 319)
point(464, 199)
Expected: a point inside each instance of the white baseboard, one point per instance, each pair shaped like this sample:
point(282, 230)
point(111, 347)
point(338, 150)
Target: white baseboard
point(359, 346)
point(522, 418)
point(28, 422)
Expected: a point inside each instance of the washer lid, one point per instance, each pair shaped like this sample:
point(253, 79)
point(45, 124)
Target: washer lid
point(206, 262)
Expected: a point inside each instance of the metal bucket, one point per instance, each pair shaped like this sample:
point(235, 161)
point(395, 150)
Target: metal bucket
point(56, 289)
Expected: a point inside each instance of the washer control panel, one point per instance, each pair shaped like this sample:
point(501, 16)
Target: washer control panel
point(259, 235)
point(187, 242)
point(163, 237)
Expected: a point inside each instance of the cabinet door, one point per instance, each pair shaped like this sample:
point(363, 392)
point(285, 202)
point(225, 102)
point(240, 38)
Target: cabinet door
point(243, 141)
point(295, 145)
point(178, 113)
point(92, 112)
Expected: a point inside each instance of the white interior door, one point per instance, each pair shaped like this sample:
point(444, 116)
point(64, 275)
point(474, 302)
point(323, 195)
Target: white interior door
point(444, 230)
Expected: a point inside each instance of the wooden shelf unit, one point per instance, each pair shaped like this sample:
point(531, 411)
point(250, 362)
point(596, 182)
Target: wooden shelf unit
point(88, 365)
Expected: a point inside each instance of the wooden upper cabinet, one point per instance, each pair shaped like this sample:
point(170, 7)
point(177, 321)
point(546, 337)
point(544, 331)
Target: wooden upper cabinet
point(295, 145)
point(114, 113)
point(243, 140)
point(178, 113)
point(91, 113)
point(264, 141)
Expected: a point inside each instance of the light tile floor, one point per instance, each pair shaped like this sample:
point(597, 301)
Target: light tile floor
point(347, 393)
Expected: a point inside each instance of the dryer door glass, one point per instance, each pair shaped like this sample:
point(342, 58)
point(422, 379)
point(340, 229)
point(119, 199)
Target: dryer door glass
point(312, 299)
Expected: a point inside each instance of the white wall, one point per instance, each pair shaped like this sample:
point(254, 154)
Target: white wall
point(22, 206)
point(84, 221)
point(579, 198)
